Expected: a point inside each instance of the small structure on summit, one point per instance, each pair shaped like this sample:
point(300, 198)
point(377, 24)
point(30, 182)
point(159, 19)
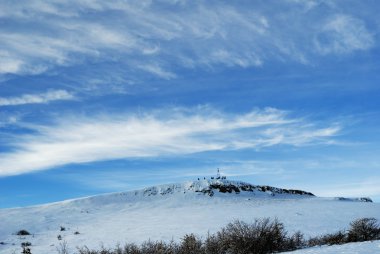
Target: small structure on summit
point(219, 176)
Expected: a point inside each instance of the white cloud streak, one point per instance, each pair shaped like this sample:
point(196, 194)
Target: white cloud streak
point(343, 34)
point(7, 120)
point(80, 140)
point(53, 95)
point(170, 34)
point(158, 71)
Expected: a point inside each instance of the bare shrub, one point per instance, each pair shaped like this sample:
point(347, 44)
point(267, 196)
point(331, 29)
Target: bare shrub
point(263, 236)
point(158, 247)
point(63, 248)
point(86, 250)
point(131, 248)
point(339, 237)
point(364, 229)
point(336, 238)
point(191, 244)
point(211, 245)
point(296, 241)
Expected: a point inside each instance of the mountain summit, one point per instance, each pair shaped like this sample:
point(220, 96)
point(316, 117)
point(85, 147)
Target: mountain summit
point(213, 186)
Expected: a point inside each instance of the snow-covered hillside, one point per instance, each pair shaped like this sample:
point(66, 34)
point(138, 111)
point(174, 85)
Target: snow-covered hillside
point(370, 247)
point(170, 211)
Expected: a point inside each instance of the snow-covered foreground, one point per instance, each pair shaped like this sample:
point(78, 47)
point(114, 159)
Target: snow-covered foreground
point(349, 248)
point(169, 212)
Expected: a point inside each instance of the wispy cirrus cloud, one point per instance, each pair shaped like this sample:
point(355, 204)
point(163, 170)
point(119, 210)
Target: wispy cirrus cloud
point(163, 133)
point(7, 120)
point(52, 95)
point(158, 71)
point(170, 34)
point(343, 34)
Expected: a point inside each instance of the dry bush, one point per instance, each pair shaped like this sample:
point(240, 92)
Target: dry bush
point(260, 237)
point(364, 229)
point(191, 244)
point(339, 237)
point(63, 248)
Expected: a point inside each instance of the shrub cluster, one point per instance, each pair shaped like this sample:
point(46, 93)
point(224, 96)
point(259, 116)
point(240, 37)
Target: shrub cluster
point(364, 229)
point(260, 237)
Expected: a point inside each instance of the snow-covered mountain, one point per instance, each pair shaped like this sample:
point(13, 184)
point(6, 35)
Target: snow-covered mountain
point(170, 211)
point(210, 187)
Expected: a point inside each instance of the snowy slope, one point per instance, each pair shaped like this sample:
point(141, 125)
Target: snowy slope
point(349, 248)
point(169, 211)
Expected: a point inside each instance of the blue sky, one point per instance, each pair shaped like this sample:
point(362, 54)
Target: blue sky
point(101, 96)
